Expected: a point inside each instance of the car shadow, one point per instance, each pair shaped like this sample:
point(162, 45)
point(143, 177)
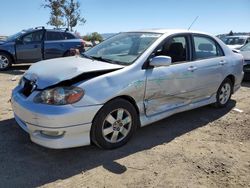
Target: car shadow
point(26, 164)
point(16, 69)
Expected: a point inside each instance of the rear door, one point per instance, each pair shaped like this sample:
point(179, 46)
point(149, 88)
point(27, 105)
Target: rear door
point(29, 47)
point(210, 62)
point(54, 45)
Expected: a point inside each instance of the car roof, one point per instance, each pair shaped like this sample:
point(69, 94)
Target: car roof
point(169, 31)
point(43, 28)
point(58, 30)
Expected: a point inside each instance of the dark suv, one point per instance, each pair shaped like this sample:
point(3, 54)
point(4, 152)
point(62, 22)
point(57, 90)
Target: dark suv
point(36, 44)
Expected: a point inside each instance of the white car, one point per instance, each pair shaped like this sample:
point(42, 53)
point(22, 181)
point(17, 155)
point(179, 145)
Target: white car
point(128, 81)
point(236, 42)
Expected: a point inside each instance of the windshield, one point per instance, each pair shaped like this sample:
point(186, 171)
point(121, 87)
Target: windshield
point(15, 36)
point(234, 41)
point(123, 48)
point(246, 47)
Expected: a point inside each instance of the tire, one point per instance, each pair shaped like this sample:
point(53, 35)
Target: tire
point(67, 54)
point(224, 93)
point(5, 61)
point(114, 124)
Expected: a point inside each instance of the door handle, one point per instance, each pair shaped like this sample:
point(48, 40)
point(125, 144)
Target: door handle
point(222, 62)
point(35, 46)
point(192, 68)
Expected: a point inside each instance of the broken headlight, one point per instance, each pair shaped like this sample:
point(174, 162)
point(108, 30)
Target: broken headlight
point(60, 95)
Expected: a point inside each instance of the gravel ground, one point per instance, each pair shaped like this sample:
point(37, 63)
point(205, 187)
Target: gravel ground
point(205, 147)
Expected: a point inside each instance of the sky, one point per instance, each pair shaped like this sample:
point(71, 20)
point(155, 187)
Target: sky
point(112, 16)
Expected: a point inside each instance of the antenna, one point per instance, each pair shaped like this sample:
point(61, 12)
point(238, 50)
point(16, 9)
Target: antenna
point(193, 22)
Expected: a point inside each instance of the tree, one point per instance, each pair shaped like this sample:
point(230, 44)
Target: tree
point(71, 9)
point(230, 33)
point(93, 37)
point(56, 12)
point(64, 12)
point(96, 37)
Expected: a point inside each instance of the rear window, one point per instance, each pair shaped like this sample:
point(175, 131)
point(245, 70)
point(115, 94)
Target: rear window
point(68, 36)
point(206, 48)
point(50, 35)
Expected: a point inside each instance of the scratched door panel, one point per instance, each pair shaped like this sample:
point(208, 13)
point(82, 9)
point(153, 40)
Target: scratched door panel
point(208, 77)
point(168, 88)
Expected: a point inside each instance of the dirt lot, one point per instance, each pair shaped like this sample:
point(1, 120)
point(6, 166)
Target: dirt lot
point(205, 147)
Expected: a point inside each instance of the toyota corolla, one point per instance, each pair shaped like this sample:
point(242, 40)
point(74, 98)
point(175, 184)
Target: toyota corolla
point(128, 81)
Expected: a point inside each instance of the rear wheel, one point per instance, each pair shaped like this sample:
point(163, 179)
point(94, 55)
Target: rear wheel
point(114, 124)
point(67, 54)
point(224, 93)
point(5, 61)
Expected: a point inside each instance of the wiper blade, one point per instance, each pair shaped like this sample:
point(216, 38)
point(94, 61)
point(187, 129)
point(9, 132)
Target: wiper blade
point(100, 58)
point(89, 57)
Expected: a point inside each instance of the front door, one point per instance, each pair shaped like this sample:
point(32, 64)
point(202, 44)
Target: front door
point(169, 87)
point(173, 86)
point(29, 47)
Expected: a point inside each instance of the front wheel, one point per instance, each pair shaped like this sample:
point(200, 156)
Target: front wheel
point(5, 61)
point(224, 93)
point(114, 124)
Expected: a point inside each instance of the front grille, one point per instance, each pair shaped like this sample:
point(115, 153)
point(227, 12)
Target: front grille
point(27, 88)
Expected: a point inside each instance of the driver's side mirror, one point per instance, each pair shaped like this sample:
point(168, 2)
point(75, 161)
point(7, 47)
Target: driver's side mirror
point(159, 61)
point(19, 41)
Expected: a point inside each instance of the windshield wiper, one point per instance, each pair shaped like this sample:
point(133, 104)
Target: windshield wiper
point(100, 58)
point(89, 57)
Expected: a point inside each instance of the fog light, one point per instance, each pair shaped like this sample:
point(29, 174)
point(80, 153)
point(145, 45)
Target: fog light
point(52, 133)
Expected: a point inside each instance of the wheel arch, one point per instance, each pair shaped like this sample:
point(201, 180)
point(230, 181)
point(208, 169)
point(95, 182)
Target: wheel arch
point(11, 55)
point(130, 99)
point(124, 97)
point(66, 53)
point(232, 78)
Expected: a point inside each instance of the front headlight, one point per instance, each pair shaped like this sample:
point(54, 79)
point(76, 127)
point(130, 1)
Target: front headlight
point(60, 95)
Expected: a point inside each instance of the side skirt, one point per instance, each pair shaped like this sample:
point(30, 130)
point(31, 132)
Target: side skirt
point(146, 120)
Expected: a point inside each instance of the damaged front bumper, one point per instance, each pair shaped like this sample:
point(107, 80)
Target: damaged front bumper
point(54, 126)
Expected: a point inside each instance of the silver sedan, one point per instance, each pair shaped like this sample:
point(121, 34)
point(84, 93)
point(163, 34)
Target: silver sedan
point(128, 81)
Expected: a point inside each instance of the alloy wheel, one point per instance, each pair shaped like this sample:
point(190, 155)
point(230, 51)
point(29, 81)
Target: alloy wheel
point(4, 62)
point(117, 125)
point(225, 93)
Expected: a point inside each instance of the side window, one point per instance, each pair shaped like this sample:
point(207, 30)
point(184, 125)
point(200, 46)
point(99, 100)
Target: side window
point(68, 36)
point(205, 47)
point(176, 48)
point(33, 37)
point(51, 35)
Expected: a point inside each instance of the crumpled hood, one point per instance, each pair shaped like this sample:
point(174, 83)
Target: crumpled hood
point(50, 72)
